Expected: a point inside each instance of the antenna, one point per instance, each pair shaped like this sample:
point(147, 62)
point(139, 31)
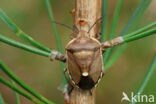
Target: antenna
point(95, 24)
point(58, 23)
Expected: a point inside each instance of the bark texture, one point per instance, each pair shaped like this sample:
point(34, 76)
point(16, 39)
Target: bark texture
point(79, 96)
point(86, 13)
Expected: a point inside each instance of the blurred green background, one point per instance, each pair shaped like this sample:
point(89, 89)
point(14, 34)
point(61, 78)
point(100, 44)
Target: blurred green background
point(45, 76)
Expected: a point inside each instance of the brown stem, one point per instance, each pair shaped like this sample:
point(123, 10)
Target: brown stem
point(111, 43)
point(55, 55)
point(86, 13)
point(79, 96)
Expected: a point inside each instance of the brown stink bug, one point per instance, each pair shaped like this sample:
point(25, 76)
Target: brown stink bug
point(84, 61)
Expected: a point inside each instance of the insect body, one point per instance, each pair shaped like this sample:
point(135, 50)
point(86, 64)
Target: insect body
point(84, 61)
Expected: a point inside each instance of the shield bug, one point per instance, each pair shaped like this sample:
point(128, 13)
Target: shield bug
point(84, 61)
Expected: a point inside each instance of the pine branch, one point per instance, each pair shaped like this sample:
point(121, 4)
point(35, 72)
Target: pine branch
point(138, 34)
point(53, 54)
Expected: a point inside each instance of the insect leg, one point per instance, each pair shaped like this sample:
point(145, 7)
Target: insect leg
point(91, 92)
point(98, 36)
point(65, 74)
point(69, 81)
point(102, 73)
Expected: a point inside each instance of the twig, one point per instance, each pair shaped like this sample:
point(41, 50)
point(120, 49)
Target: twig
point(53, 55)
point(87, 12)
point(111, 43)
point(143, 32)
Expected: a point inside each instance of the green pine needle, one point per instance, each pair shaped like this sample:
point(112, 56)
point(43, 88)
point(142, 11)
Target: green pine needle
point(14, 88)
point(105, 19)
point(136, 23)
point(115, 57)
point(141, 30)
point(139, 36)
point(152, 68)
point(57, 38)
point(13, 76)
point(23, 46)
point(135, 18)
point(115, 20)
point(20, 33)
point(113, 28)
point(1, 99)
point(141, 33)
point(16, 94)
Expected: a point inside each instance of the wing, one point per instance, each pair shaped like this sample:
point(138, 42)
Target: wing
point(73, 68)
point(96, 68)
